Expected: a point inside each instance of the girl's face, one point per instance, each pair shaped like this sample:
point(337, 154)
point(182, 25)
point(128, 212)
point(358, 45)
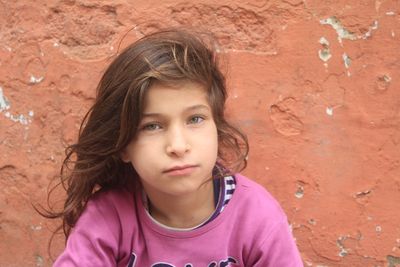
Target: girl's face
point(176, 146)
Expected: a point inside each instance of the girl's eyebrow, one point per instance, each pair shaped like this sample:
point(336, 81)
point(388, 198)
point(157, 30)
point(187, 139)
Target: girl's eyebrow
point(191, 108)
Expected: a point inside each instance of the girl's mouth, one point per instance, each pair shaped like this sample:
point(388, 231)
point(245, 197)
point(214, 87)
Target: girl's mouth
point(180, 170)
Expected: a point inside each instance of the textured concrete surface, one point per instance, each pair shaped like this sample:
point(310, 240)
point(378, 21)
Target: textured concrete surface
point(315, 84)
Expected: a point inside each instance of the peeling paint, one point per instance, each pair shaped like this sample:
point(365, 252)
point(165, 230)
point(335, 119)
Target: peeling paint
point(4, 103)
point(340, 30)
point(393, 261)
point(36, 227)
point(324, 53)
point(18, 118)
point(347, 63)
point(34, 80)
point(329, 111)
point(383, 82)
point(343, 33)
point(363, 193)
point(5, 106)
point(39, 261)
point(9, 49)
point(312, 222)
point(300, 192)
point(347, 60)
point(369, 32)
point(343, 251)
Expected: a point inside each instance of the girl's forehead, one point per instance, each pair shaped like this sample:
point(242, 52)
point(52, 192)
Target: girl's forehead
point(162, 96)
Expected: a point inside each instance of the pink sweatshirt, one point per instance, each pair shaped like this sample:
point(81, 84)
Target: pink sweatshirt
point(116, 230)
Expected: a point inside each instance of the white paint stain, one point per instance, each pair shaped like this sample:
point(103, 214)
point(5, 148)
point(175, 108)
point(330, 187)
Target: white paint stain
point(329, 111)
point(5, 106)
point(393, 33)
point(56, 44)
point(324, 53)
point(340, 30)
point(36, 227)
point(378, 229)
point(18, 118)
point(369, 32)
point(343, 33)
point(300, 192)
point(312, 222)
point(39, 261)
point(34, 80)
point(307, 263)
point(390, 13)
point(347, 60)
point(347, 63)
point(9, 49)
point(343, 251)
point(323, 41)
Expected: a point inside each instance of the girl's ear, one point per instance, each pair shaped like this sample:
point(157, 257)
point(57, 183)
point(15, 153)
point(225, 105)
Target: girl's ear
point(124, 155)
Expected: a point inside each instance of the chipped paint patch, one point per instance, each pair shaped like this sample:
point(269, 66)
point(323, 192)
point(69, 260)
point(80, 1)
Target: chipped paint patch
point(312, 222)
point(347, 60)
point(343, 33)
point(4, 103)
point(34, 80)
point(5, 106)
point(340, 30)
point(343, 251)
point(299, 192)
point(369, 32)
point(329, 111)
point(383, 82)
point(39, 261)
point(36, 227)
point(393, 261)
point(347, 63)
point(9, 49)
point(324, 53)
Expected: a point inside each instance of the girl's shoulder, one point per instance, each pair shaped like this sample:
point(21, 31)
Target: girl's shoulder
point(113, 196)
point(256, 198)
point(111, 206)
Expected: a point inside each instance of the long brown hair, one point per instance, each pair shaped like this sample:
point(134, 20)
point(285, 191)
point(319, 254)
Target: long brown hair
point(111, 123)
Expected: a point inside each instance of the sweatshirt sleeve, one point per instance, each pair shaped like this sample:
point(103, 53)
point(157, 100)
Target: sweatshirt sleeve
point(91, 242)
point(277, 249)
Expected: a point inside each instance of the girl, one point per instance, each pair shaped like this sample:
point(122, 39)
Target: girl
point(153, 179)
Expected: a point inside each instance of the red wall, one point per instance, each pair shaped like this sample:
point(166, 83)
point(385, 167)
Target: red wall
point(315, 84)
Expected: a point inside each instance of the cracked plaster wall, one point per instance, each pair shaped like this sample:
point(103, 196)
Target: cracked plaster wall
point(315, 84)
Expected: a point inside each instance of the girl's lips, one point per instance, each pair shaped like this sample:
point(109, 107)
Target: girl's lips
point(180, 170)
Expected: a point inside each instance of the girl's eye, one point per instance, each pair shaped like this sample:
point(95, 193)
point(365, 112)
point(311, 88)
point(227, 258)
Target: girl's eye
point(151, 127)
point(196, 120)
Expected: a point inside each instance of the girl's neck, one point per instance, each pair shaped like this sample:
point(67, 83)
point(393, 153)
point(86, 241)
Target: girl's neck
point(183, 211)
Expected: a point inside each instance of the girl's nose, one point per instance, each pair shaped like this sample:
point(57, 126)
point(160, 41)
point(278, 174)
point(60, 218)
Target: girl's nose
point(177, 143)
